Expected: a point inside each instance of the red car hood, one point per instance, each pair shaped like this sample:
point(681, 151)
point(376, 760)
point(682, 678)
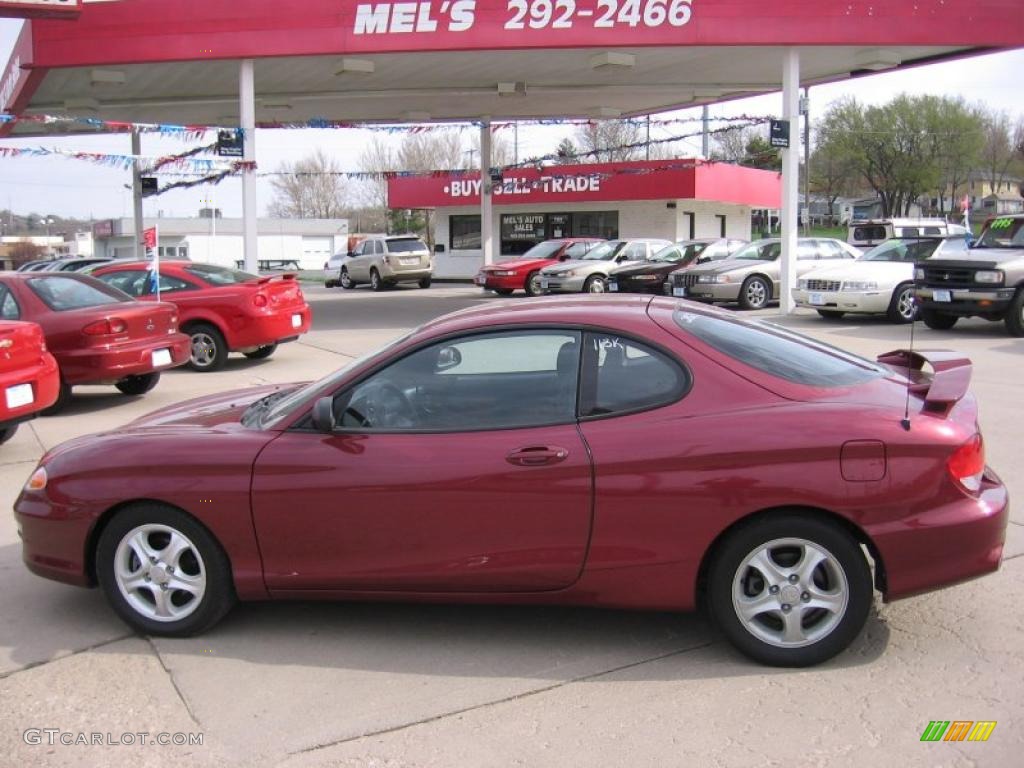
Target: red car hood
point(522, 265)
point(208, 411)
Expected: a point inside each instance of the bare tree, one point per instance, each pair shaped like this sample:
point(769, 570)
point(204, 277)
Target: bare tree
point(609, 141)
point(311, 188)
point(431, 151)
point(999, 151)
point(502, 153)
point(731, 146)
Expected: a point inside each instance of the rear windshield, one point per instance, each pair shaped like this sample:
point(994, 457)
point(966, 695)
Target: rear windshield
point(870, 232)
point(779, 352)
point(63, 292)
point(902, 250)
point(219, 275)
point(406, 245)
point(1002, 233)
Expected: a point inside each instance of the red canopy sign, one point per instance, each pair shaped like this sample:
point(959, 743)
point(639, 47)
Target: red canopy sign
point(33, 9)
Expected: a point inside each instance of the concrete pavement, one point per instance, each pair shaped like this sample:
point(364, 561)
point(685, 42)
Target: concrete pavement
point(408, 685)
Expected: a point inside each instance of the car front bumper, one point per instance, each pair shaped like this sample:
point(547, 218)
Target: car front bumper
point(708, 292)
point(53, 538)
point(866, 302)
point(554, 284)
point(491, 282)
point(98, 365)
point(965, 301)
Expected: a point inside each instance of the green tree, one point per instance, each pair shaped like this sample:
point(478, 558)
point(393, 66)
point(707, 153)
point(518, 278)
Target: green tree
point(566, 152)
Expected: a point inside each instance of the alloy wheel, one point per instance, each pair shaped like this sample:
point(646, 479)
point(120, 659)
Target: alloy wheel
point(905, 304)
point(204, 350)
point(756, 294)
point(159, 572)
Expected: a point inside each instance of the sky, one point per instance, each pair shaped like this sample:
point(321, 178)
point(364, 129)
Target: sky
point(75, 188)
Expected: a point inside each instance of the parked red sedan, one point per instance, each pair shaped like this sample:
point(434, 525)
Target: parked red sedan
point(222, 310)
point(592, 451)
point(523, 272)
point(98, 334)
point(29, 378)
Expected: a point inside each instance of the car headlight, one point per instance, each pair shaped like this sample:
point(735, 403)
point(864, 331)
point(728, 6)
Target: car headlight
point(646, 278)
point(724, 277)
point(801, 285)
point(992, 276)
point(503, 272)
point(570, 273)
point(859, 285)
point(919, 274)
point(37, 481)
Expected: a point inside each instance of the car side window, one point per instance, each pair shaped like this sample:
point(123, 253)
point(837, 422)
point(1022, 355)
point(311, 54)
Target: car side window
point(621, 375)
point(170, 284)
point(378, 247)
point(633, 252)
point(487, 381)
point(134, 282)
point(9, 308)
point(807, 251)
point(576, 250)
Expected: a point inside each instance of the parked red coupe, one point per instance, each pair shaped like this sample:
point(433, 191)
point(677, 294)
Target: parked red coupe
point(523, 272)
point(28, 373)
point(592, 451)
point(98, 334)
point(222, 310)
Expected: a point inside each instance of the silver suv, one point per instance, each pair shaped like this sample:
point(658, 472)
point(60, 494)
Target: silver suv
point(385, 260)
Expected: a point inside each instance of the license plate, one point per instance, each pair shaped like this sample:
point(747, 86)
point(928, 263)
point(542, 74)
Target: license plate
point(613, 286)
point(942, 295)
point(19, 395)
point(161, 357)
point(679, 290)
point(480, 280)
point(408, 262)
point(815, 299)
point(296, 321)
point(544, 284)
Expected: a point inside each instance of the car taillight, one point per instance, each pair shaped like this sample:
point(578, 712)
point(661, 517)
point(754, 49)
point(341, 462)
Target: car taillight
point(107, 327)
point(260, 300)
point(967, 464)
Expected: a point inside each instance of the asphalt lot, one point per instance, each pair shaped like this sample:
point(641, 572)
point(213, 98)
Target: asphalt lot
point(406, 685)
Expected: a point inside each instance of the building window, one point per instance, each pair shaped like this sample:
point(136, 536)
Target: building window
point(464, 233)
point(721, 224)
point(603, 224)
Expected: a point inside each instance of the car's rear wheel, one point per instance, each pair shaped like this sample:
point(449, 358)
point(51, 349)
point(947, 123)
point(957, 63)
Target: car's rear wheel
point(903, 305)
point(595, 284)
point(262, 353)
point(376, 283)
point(755, 293)
point(790, 590)
point(938, 321)
point(532, 284)
point(6, 433)
point(162, 571)
point(63, 398)
point(345, 280)
point(209, 350)
point(425, 282)
point(830, 314)
point(138, 385)
point(1015, 315)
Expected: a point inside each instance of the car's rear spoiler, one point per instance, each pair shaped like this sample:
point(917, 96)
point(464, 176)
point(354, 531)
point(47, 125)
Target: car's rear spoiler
point(283, 276)
point(949, 381)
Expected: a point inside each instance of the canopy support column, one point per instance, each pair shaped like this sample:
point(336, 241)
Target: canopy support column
point(140, 253)
point(247, 119)
point(790, 177)
point(486, 215)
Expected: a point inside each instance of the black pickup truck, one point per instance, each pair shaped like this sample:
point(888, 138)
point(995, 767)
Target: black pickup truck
point(988, 282)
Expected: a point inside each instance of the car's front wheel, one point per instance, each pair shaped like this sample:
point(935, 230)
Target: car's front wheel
point(755, 293)
point(163, 572)
point(595, 284)
point(138, 385)
point(903, 305)
point(532, 284)
point(790, 590)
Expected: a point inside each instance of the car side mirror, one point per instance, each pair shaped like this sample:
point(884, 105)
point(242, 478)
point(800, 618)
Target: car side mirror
point(563, 257)
point(703, 259)
point(323, 415)
point(447, 357)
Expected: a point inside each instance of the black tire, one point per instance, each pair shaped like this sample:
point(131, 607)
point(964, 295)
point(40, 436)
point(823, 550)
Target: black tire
point(345, 281)
point(938, 321)
point(425, 282)
point(596, 284)
point(503, 291)
point(845, 571)
point(262, 353)
point(209, 351)
point(204, 557)
point(138, 385)
point(830, 314)
point(376, 283)
point(6, 433)
point(903, 305)
point(1015, 315)
point(755, 293)
point(63, 398)
point(532, 284)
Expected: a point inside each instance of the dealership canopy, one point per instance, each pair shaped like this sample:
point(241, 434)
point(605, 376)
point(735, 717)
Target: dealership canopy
point(233, 62)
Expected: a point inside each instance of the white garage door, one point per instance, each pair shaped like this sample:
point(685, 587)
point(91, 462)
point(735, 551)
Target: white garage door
point(315, 251)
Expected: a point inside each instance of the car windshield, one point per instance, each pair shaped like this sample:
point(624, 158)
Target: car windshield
point(604, 251)
point(219, 275)
point(63, 292)
point(902, 250)
point(283, 406)
point(406, 245)
point(676, 253)
point(760, 250)
point(1002, 233)
point(778, 351)
point(545, 250)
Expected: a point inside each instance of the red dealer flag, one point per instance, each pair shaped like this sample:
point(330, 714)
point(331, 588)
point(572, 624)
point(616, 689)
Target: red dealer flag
point(149, 237)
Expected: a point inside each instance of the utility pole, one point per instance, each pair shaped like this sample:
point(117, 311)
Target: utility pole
point(648, 137)
point(515, 142)
point(705, 137)
point(805, 108)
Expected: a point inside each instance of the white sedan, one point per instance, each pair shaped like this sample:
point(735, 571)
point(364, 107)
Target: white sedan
point(879, 282)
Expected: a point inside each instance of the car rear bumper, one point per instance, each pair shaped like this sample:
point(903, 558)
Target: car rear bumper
point(53, 539)
point(965, 301)
point(707, 292)
point(44, 379)
point(100, 365)
point(398, 273)
point(868, 302)
point(262, 330)
point(635, 286)
point(949, 544)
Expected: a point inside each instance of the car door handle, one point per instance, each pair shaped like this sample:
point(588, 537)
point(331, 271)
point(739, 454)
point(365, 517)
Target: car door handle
point(537, 455)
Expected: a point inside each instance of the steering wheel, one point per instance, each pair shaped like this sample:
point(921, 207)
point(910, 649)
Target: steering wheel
point(383, 405)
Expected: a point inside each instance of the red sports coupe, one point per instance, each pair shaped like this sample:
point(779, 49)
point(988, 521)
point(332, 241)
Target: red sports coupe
point(586, 451)
point(98, 334)
point(29, 378)
point(222, 310)
point(523, 272)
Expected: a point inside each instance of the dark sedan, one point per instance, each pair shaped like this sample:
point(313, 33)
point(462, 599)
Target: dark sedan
point(649, 277)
